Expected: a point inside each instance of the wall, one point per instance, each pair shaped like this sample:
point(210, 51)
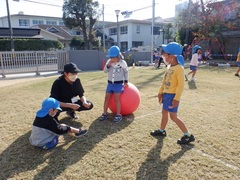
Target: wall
point(88, 60)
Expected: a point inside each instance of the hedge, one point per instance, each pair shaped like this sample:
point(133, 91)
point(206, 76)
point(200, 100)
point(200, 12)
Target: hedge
point(30, 45)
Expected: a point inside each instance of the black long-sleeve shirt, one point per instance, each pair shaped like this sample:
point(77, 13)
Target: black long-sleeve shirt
point(64, 91)
point(44, 129)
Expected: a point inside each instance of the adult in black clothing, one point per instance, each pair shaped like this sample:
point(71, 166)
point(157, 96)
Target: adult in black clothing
point(159, 62)
point(68, 90)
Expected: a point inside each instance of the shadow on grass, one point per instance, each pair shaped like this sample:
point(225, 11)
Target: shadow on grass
point(192, 85)
point(61, 159)
point(156, 168)
point(21, 156)
point(147, 82)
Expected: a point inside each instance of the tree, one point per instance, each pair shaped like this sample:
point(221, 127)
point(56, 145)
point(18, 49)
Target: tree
point(169, 32)
point(76, 43)
point(207, 18)
point(82, 14)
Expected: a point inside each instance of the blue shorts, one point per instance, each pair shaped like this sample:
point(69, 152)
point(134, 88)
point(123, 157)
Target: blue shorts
point(50, 144)
point(193, 68)
point(114, 88)
point(238, 64)
point(167, 102)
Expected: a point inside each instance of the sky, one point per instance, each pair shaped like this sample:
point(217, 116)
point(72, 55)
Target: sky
point(163, 8)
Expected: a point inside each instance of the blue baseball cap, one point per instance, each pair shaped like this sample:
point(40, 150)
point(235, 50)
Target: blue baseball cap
point(195, 48)
point(175, 49)
point(47, 104)
point(172, 48)
point(114, 51)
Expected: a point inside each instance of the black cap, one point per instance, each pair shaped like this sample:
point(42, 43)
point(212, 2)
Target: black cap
point(71, 68)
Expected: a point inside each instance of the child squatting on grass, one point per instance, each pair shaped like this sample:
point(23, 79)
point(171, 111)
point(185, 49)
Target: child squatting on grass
point(46, 129)
point(170, 91)
point(117, 70)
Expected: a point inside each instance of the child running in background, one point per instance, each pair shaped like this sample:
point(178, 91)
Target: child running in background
point(238, 63)
point(117, 70)
point(46, 129)
point(171, 90)
point(194, 62)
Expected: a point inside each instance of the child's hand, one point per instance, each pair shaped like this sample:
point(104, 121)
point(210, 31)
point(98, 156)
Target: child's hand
point(86, 105)
point(160, 98)
point(125, 84)
point(175, 103)
point(75, 106)
point(111, 62)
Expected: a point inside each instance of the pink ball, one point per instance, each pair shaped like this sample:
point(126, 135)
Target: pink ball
point(129, 99)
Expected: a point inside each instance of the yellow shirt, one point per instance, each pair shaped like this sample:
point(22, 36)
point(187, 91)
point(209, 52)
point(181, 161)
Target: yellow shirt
point(238, 57)
point(173, 81)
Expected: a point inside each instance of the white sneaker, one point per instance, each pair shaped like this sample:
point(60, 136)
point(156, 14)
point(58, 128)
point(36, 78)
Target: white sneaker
point(193, 79)
point(186, 78)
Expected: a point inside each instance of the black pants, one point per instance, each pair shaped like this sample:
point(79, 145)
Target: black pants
point(159, 62)
point(81, 108)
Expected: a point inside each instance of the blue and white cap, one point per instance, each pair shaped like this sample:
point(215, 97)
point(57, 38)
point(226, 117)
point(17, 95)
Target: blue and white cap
point(175, 49)
point(195, 48)
point(114, 51)
point(47, 104)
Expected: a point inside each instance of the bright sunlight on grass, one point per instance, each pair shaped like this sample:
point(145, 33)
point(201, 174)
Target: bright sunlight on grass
point(209, 107)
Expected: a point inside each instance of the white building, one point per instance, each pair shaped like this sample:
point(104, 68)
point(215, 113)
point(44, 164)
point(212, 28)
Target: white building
point(132, 33)
point(21, 20)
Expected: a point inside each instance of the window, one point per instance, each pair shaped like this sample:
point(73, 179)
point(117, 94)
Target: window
point(138, 29)
point(36, 22)
point(74, 33)
point(123, 30)
point(51, 23)
point(61, 23)
point(53, 30)
point(156, 30)
point(24, 22)
point(137, 43)
point(113, 31)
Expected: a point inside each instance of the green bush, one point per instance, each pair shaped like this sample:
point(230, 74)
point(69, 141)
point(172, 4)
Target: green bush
point(29, 45)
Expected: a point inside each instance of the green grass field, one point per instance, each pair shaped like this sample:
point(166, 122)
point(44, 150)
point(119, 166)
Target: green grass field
point(209, 107)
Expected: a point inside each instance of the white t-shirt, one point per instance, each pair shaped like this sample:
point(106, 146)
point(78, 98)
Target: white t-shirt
point(194, 60)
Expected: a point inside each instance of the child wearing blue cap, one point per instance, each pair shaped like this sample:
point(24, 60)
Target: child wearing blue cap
point(238, 63)
point(171, 90)
point(194, 62)
point(46, 129)
point(117, 70)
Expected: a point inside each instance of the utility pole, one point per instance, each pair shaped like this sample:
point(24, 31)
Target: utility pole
point(188, 21)
point(117, 15)
point(10, 27)
point(153, 18)
point(103, 29)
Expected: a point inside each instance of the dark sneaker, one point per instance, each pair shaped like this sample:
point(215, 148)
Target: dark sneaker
point(72, 114)
point(103, 117)
point(158, 133)
point(236, 74)
point(81, 133)
point(186, 139)
point(117, 118)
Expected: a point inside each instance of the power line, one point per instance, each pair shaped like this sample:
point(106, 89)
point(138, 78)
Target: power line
point(37, 2)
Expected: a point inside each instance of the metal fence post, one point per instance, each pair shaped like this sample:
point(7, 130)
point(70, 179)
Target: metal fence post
point(37, 73)
point(3, 75)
